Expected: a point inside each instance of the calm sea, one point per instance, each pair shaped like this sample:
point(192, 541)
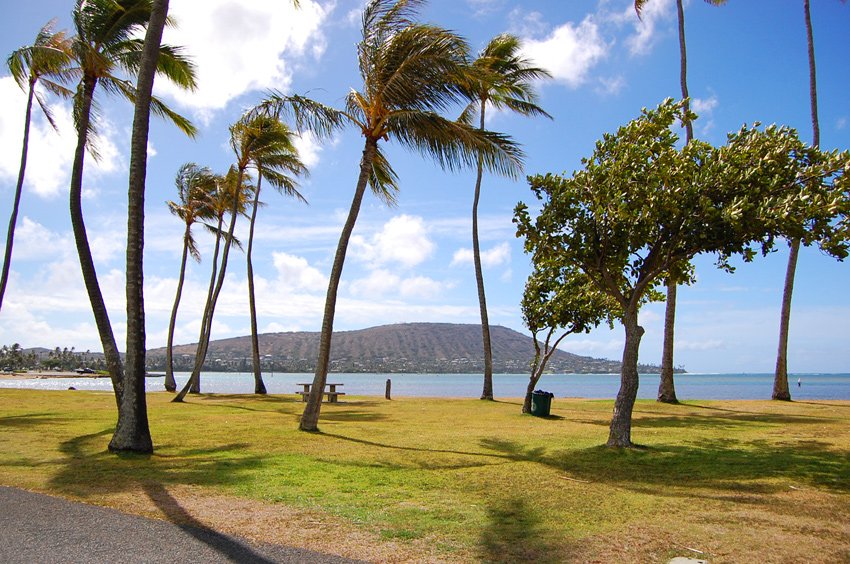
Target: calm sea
point(688, 386)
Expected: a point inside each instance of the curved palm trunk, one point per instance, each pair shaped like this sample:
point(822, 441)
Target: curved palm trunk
point(194, 378)
point(487, 392)
point(780, 380)
point(310, 417)
point(193, 384)
point(259, 385)
point(620, 434)
point(666, 387)
point(132, 432)
point(780, 376)
point(101, 316)
point(13, 219)
point(170, 383)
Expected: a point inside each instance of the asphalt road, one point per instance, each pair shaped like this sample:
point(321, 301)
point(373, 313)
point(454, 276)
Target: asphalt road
point(40, 528)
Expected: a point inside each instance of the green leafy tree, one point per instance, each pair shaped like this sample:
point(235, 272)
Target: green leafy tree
point(45, 62)
point(104, 48)
point(558, 302)
point(666, 386)
point(503, 80)
point(195, 188)
point(276, 159)
point(411, 72)
point(641, 208)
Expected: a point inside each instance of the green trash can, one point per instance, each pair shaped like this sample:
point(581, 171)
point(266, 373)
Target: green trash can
point(541, 403)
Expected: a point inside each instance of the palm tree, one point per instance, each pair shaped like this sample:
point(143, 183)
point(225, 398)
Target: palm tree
point(410, 72)
point(780, 380)
point(132, 433)
point(666, 387)
point(105, 44)
point(275, 158)
point(195, 186)
point(504, 81)
point(44, 62)
point(230, 197)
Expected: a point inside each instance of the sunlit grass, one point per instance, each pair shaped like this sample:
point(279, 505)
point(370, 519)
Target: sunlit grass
point(475, 479)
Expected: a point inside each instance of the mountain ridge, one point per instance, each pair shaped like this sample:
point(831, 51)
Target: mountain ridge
point(403, 347)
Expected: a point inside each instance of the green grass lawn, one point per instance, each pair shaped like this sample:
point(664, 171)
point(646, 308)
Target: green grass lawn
point(468, 480)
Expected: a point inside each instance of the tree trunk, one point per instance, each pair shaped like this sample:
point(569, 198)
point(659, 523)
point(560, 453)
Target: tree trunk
point(132, 432)
point(780, 377)
point(201, 351)
point(259, 385)
point(193, 384)
point(666, 387)
point(13, 219)
point(621, 423)
point(101, 316)
point(487, 392)
point(780, 381)
point(310, 417)
point(170, 383)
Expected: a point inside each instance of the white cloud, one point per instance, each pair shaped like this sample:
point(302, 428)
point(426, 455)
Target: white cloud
point(308, 149)
point(611, 85)
point(500, 254)
point(569, 51)
point(377, 285)
point(242, 46)
point(403, 240)
point(296, 273)
point(645, 28)
point(421, 287)
point(841, 123)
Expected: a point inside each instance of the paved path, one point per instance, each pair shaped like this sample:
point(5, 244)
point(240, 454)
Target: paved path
point(40, 528)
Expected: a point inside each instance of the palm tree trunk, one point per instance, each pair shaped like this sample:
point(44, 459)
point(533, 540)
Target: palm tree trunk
point(206, 329)
point(170, 382)
point(780, 376)
point(259, 385)
point(310, 417)
point(101, 316)
point(201, 351)
point(666, 387)
point(132, 432)
point(487, 392)
point(620, 434)
point(13, 220)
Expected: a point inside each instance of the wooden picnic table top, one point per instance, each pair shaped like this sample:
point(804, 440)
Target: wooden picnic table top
point(311, 383)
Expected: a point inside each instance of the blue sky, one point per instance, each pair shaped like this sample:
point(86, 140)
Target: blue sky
point(410, 263)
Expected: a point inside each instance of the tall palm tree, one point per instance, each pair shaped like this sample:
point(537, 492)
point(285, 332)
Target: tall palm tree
point(780, 379)
point(231, 197)
point(276, 159)
point(666, 386)
point(132, 433)
point(44, 62)
point(195, 186)
point(410, 72)
point(504, 80)
point(105, 45)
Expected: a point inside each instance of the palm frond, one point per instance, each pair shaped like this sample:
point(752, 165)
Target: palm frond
point(383, 180)
point(308, 115)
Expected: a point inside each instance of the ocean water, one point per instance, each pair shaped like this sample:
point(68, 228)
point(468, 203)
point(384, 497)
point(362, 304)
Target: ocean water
point(688, 386)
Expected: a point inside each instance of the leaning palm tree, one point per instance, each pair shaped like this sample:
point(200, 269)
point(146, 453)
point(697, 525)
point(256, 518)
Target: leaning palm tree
point(231, 196)
point(195, 186)
point(275, 158)
point(45, 62)
point(666, 386)
point(106, 46)
point(780, 379)
point(411, 72)
point(504, 80)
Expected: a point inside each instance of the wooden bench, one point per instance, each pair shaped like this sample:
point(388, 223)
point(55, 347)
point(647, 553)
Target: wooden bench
point(331, 393)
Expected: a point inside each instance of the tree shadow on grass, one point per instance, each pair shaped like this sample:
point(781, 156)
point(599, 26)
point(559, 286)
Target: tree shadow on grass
point(514, 534)
point(720, 464)
point(28, 420)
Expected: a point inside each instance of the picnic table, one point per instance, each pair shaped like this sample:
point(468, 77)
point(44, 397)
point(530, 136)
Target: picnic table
point(330, 391)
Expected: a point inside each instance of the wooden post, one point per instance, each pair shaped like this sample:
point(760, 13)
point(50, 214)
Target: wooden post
point(389, 385)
